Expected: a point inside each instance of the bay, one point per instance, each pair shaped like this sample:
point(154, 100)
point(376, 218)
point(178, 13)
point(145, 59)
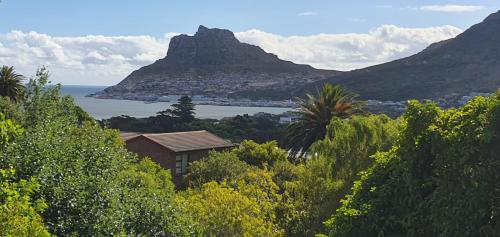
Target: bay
point(106, 108)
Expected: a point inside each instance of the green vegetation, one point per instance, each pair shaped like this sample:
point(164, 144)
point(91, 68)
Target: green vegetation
point(80, 169)
point(440, 179)
point(315, 114)
point(11, 84)
point(182, 111)
point(259, 127)
point(429, 173)
point(20, 214)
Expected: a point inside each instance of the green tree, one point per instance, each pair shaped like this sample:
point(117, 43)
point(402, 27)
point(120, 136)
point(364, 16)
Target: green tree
point(8, 130)
point(20, 215)
point(260, 155)
point(350, 144)
point(324, 179)
point(11, 84)
point(440, 179)
point(218, 166)
point(80, 169)
point(182, 110)
point(239, 208)
point(315, 113)
point(310, 198)
point(143, 205)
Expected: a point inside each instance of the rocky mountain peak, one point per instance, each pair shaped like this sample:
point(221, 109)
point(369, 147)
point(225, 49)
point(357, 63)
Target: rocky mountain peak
point(214, 33)
point(213, 63)
point(218, 50)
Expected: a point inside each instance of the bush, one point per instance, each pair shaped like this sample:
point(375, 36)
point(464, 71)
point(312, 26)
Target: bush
point(441, 178)
point(80, 168)
point(260, 155)
point(218, 166)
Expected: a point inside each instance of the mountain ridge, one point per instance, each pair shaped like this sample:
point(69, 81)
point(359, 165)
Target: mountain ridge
point(194, 65)
point(462, 65)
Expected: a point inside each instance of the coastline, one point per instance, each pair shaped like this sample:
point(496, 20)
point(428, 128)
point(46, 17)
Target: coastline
point(202, 100)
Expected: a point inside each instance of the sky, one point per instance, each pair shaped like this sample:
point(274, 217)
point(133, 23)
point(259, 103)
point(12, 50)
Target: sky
point(97, 42)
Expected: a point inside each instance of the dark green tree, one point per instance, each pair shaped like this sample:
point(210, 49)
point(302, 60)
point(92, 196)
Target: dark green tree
point(11, 84)
point(315, 113)
point(182, 110)
point(218, 166)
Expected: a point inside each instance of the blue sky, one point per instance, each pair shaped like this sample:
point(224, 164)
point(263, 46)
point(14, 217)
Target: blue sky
point(155, 17)
point(110, 38)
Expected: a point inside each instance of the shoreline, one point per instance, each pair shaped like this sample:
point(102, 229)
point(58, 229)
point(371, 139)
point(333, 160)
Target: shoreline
point(207, 101)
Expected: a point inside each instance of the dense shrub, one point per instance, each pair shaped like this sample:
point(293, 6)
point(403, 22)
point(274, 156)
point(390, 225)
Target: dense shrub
point(80, 168)
point(441, 178)
point(218, 166)
point(260, 155)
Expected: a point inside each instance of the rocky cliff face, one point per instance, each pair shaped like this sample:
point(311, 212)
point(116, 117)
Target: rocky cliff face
point(466, 64)
point(213, 63)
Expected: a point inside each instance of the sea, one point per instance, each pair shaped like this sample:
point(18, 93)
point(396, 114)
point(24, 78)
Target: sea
point(106, 108)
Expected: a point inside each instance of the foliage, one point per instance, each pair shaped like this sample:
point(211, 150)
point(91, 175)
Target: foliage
point(310, 198)
point(80, 169)
point(218, 166)
point(10, 109)
point(143, 204)
point(260, 155)
point(260, 128)
point(8, 130)
point(283, 172)
point(350, 144)
point(328, 175)
point(315, 113)
point(183, 110)
point(11, 84)
point(20, 215)
point(441, 178)
point(243, 208)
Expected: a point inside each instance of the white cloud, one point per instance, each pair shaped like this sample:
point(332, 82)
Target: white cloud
point(92, 59)
point(450, 8)
point(350, 51)
point(307, 14)
point(105, 60)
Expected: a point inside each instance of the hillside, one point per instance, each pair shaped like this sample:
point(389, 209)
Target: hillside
point(468, 63)
point(212, 63)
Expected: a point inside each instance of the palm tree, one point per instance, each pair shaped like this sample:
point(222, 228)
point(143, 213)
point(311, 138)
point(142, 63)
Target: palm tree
point(315, 113)
point(11, 84)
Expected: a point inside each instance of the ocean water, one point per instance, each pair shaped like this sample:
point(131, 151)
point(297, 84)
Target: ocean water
point(106, 108)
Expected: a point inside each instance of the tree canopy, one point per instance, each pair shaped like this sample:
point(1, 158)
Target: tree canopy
point(440, 179)
point(11, 84)
point(315, 113)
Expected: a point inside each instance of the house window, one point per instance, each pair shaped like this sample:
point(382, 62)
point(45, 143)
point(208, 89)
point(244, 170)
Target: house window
point(181, 164)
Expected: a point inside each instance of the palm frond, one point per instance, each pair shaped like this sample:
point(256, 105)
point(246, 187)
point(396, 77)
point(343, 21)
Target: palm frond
point(11, 84)
point(315, 113)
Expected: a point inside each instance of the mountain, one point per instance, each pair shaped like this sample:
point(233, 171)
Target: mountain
point(212, 63)
point(468, 63)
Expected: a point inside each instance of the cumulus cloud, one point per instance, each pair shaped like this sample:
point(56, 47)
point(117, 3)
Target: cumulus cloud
point(105, 60)
point(93, 59)
point(451, 8)
point(350, 51)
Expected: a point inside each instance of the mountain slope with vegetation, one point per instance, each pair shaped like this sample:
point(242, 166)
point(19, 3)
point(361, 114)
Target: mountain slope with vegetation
point(465, 64)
